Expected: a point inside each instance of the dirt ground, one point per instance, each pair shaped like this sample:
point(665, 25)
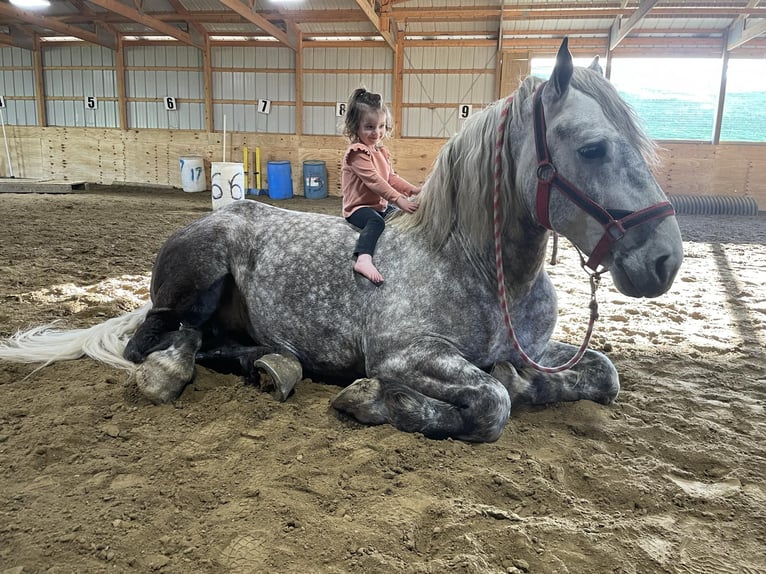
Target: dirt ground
point(669, 479)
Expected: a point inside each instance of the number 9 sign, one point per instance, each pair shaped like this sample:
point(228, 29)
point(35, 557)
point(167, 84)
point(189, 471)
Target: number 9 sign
point(464, 110)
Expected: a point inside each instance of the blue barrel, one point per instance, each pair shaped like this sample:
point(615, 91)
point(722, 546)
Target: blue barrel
point(280, 179)
point(314, 179)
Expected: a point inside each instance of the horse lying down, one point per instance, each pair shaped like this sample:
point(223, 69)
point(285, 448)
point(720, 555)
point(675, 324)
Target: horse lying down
point(460, 330)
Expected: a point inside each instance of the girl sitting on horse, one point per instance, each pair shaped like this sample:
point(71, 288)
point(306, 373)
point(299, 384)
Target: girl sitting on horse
point(371, 188)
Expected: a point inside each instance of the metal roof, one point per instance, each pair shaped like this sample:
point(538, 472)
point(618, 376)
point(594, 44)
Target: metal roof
point(686, 27)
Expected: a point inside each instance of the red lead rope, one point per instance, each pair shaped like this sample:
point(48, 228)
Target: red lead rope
point(594, 277)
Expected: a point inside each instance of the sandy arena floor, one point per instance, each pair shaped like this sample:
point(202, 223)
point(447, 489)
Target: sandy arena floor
point(669, 479)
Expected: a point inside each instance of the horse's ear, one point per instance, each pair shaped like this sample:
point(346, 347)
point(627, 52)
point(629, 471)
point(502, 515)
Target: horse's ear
point(596, 67)
point(562, 71)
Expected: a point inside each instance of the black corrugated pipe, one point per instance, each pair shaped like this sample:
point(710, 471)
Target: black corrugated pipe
point(713, 205)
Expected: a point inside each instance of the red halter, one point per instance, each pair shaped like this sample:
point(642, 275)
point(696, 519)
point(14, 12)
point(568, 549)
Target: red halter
point(548, 177)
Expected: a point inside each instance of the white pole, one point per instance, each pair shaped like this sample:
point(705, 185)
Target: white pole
point(224, 137)
point(5, 139)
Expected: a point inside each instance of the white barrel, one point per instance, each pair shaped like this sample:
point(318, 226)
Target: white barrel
point(228, 182)
point(193, 173)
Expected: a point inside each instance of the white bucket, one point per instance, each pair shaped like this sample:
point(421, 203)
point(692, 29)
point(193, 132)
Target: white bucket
point(193, 173)
point(228, 182)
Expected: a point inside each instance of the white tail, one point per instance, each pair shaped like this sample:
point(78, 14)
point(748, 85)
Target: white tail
point(104, 342)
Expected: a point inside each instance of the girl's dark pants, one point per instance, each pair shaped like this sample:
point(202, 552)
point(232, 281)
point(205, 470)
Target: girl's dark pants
point(372, 223)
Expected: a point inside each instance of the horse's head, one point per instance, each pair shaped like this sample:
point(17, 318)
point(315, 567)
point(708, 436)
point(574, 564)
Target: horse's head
point(585, 173)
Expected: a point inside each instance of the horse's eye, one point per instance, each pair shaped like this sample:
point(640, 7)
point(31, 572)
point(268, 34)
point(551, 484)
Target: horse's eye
point(593, 151)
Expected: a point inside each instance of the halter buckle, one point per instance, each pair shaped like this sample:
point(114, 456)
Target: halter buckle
point(615, 230)
point(546, 172)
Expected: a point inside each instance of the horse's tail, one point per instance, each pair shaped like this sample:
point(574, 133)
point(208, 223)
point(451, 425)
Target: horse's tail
point(104, 342)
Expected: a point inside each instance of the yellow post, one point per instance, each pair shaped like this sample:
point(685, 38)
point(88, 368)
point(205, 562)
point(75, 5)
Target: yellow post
point(244, 161)
point(257, 167)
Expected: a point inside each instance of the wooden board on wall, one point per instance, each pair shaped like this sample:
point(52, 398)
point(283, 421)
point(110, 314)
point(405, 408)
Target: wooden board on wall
point(703, 169)
point(151, 157)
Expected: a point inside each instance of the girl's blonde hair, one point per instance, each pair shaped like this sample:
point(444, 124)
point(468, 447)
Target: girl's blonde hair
point(361, 102)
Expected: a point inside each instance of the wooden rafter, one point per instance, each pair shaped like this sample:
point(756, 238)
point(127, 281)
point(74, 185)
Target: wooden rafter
point(148, 21)
point(53, 24)
point(248, 14)
point(375, 19)
point(620, 30)
point(739, 32)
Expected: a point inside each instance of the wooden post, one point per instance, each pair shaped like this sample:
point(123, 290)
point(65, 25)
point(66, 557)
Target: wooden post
point(398, 85)
point(716, 138)
point(122, 104)
point(37, 56)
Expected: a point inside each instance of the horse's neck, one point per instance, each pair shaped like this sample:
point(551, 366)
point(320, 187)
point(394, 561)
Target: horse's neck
point(523, 257)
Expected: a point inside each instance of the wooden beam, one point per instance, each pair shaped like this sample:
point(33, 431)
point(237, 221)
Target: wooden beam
point(247, 13)
point(299, 88)
point(37, 63)
point(718, 122)
point(373, 17)
point(620, 30)
point(52, 24)
point(145, 20)
point(739, 32)
point(398, 102)
point(120, 71)
point(196, 30)
point(207, 82)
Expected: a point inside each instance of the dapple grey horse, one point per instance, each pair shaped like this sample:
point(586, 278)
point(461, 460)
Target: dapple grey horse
point(431, 349)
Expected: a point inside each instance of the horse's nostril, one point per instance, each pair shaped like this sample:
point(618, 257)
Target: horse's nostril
point(661, 268)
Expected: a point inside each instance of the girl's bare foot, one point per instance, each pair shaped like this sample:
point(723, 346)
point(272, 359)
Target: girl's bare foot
point(364, 267)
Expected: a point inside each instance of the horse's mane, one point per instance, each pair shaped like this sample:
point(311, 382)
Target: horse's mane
point(457, 195)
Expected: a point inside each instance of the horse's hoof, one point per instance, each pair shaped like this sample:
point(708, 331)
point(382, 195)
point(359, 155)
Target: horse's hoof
point(362, 400)
point(508, 376)
point(279, 374)
point(163, 375)
point(161, 378)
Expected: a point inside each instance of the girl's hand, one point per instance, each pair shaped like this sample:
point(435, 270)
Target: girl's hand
point(406, 205)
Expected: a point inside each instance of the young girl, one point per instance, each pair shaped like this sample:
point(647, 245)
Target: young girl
point(367, 178)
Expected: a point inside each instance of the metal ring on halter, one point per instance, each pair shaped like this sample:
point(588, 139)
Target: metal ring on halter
point(546, 172)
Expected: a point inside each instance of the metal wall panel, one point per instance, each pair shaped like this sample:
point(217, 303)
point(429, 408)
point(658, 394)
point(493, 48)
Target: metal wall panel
point(246, 117)
point(339, 72)
point(163, 79)
point(444, 91)
point(17, 83)
point(242, 77)
point(72, 73)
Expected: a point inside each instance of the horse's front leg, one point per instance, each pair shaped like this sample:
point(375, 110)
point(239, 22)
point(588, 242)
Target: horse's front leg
point(594, 378)
point(429, 388)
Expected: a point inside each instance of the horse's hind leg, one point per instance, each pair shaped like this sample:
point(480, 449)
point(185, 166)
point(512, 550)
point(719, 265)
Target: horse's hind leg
point(430, 388)
point(185, 295)
point(594, 378)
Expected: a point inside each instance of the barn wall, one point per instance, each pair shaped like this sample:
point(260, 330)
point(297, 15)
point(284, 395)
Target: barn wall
point(439, 82)
point(331, 74)
point(151, 156)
